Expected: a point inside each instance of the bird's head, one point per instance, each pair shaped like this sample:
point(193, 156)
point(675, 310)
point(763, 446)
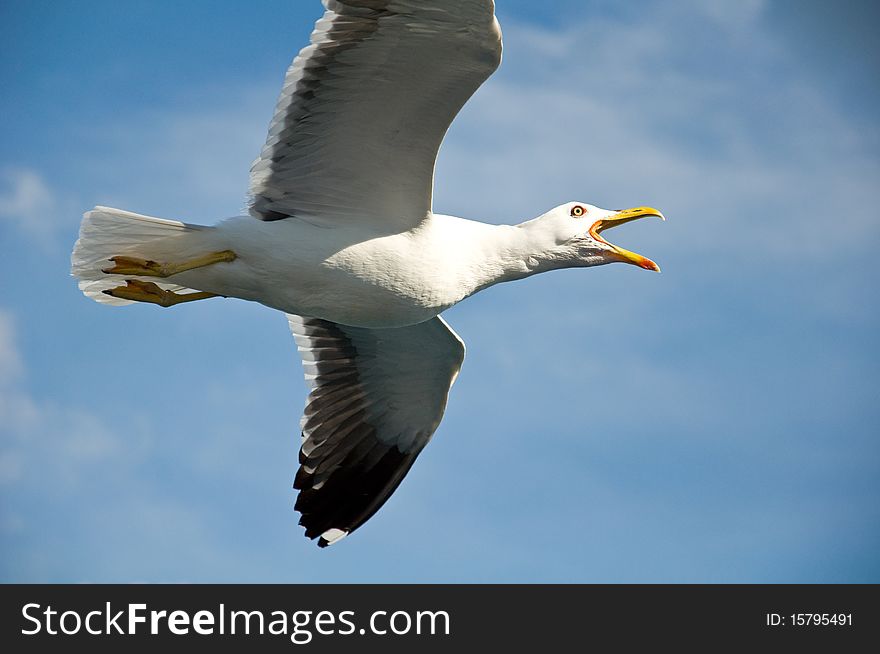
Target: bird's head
point(577, 230)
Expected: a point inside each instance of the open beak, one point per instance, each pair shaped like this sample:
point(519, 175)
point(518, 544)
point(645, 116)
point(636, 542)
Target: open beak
point(620, 218)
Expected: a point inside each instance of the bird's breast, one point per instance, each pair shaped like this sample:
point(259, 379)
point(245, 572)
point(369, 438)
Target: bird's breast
point(339, 274)
point(386, 281)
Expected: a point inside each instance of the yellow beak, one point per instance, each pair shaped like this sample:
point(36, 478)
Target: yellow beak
point(620, 218)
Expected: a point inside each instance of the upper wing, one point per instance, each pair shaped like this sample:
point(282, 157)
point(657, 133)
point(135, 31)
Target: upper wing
point(365, 106)
point(377, 396)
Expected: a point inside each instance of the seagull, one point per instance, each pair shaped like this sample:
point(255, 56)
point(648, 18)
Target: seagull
point(341, 236)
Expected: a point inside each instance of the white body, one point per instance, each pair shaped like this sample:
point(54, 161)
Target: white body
point(362, 279)
point(345, 273)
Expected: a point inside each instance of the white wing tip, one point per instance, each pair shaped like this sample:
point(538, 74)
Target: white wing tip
point(332, 536)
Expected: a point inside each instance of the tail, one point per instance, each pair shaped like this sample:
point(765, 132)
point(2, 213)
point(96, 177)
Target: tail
point(106, 233)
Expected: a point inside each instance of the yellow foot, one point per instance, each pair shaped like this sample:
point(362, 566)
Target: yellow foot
point(154, 294)
point(124, 265)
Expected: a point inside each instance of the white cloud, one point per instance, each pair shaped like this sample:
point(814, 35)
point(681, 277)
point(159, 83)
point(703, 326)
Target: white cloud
point(18, 412)
point(102, 477)
point(29, 204)
point(730, 14)
point(10, 360)
point(41, 439)
point(190, 163)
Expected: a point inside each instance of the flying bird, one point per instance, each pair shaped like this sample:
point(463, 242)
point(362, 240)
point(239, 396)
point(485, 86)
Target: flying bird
point(341, 236)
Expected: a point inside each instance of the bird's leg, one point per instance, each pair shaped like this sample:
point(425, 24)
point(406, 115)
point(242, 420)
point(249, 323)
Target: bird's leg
point(124, 265)
point(149, 292)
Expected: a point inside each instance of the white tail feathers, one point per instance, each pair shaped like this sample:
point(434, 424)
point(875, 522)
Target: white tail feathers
point(107, 232)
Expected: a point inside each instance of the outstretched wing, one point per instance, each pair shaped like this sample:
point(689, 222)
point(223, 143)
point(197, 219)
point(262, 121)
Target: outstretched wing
point(377, 396)
point(365, 106)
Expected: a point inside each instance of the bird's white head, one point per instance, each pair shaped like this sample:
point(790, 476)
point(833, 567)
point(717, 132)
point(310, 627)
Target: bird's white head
point(576, 228)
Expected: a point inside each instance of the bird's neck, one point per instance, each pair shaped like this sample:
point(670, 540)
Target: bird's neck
point(503, 253)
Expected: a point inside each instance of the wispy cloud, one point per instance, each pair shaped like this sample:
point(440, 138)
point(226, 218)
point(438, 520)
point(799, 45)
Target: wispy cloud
point(39, 434)
point(99, 473)
point(60, 453)
point(17, 411)
point(10, 359)
point(189, 163)
point(29, 205)
point(695, 107)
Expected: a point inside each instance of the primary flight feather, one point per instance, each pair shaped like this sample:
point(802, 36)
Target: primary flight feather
point(342, 237)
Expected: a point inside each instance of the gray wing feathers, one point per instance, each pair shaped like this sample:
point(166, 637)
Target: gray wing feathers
point(377, 396)
point(365, 107)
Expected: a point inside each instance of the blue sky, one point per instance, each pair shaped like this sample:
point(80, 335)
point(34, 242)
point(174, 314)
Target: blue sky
point(718, 422)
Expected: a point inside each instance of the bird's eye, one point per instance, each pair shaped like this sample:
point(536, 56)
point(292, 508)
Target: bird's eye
point(577, 211)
